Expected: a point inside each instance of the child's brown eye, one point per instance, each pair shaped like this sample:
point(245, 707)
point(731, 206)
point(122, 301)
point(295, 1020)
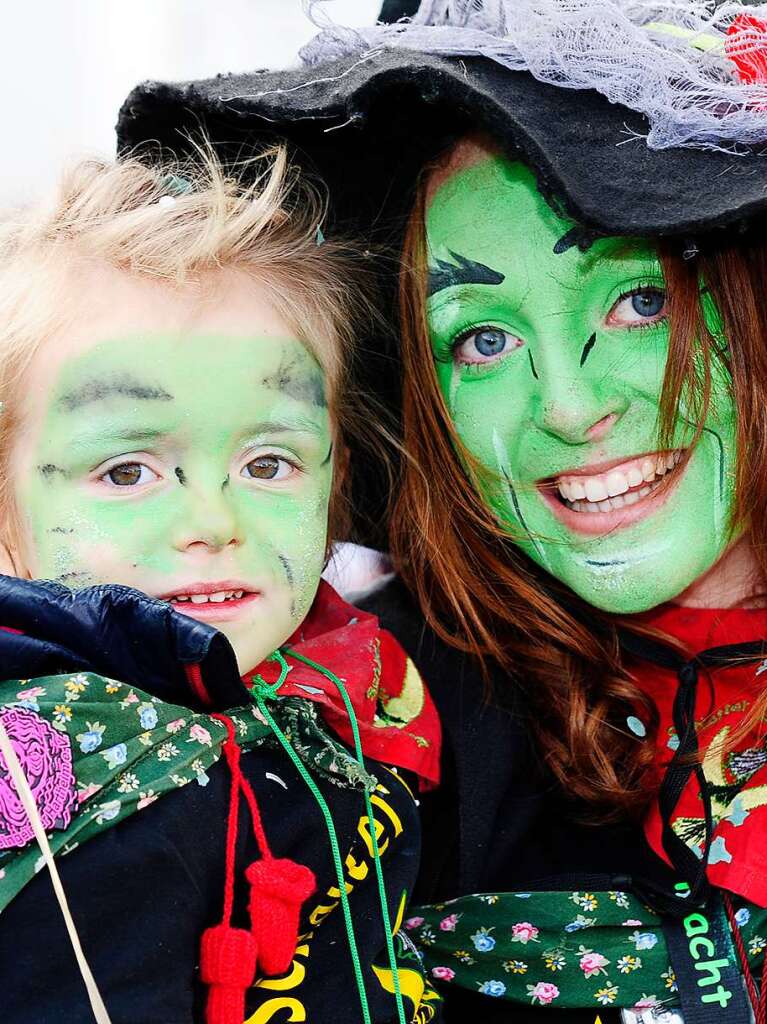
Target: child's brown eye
point(129, 474)
point(265, 467)
point(126, 475)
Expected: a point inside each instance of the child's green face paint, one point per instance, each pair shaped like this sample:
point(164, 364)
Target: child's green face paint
point(551, 361)
point(184, 462)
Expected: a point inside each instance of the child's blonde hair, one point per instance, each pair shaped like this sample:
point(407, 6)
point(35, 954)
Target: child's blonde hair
point(174, 223)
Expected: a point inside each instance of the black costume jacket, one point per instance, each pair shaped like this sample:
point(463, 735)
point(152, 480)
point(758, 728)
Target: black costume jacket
point(142, 892)
point(498, 823)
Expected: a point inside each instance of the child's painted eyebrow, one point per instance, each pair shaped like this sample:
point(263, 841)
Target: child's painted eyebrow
point(284, 427)
point(98, 389)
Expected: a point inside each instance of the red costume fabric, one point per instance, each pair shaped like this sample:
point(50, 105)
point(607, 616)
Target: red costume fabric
point(396, 717)
point(737, 780)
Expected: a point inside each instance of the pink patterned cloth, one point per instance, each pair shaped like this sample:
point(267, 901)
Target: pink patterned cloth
point(46, 757)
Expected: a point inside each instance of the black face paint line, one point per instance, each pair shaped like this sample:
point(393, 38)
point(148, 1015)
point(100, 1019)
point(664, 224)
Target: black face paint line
point(49, 470)
point(603, 565)
point(327, 458)
point(70, 577)
point(532, 364)
point(180, 475)
point(462, 271)
point(300, 380)
point(720, 444)
point(225, 484)
point(518, 510)
point(289, 574)
point(578, 235)
point(123, 386)
point(587, 348)
point(60, 529)
point(291, 578)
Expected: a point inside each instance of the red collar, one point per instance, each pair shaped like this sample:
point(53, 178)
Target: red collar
point(397, 720)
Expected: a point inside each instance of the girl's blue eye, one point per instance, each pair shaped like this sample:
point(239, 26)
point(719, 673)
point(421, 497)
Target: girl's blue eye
point(490, 342)
point(485, 345)
point(648, 303)
point(639, 308)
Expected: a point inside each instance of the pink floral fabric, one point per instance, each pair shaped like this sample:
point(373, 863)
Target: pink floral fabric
point(46, 757)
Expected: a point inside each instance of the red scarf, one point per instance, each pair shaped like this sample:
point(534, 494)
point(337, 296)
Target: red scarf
point(738, 855)
point(397, 720)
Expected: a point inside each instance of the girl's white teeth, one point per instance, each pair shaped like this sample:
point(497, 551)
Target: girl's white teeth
point(216, 598)
point(616, 489)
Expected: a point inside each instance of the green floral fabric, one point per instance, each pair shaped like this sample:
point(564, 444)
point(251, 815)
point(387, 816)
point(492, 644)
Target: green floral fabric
point(559, 949)
point(120, 749)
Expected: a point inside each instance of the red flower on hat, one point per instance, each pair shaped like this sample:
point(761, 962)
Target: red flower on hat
point(746, 46)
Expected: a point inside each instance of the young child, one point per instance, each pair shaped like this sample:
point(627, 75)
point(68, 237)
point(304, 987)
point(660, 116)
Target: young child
point(173, 351)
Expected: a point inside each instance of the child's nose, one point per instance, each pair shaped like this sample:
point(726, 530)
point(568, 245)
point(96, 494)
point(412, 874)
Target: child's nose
point(209, 522)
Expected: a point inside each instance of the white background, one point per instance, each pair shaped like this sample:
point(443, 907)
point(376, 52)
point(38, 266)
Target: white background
point(67, 65)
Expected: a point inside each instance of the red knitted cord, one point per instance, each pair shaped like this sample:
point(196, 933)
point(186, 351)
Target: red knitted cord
point(742, 954)
point(278, 889)
point(232, 754)
point(228, 955)
point(196, 684)
point(255, 817)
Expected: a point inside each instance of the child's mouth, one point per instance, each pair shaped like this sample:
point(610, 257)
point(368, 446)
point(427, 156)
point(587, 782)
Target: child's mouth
point(212, 602)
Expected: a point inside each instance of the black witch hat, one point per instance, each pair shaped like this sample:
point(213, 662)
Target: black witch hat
point(368, 108)
point(634, 128)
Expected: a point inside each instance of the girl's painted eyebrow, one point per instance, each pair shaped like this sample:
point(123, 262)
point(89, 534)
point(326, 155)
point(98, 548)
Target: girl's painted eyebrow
point(462, 271)
point(98, 389)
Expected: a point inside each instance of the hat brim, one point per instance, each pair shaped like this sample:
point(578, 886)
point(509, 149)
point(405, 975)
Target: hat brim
point(362, 121)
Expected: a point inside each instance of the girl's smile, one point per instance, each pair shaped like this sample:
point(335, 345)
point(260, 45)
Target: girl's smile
point(600, 499)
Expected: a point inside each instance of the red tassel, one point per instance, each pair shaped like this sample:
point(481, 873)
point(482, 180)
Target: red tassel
point(746, 50)
point(278, 889)
point(228, 965)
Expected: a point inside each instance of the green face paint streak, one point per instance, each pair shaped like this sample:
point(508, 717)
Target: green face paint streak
point(574, 387)
point(158, 536)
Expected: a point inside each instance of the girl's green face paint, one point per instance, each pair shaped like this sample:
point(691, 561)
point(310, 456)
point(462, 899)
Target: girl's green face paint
point(551, 358)
point(194, 464)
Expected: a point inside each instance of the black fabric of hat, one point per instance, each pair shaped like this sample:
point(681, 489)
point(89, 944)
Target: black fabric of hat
point(369, 125)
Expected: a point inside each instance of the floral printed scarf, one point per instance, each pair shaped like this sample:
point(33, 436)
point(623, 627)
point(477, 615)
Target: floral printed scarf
point(560, 949)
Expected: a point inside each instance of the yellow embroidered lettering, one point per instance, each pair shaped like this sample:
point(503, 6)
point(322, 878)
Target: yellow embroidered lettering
point(268, 1011)
point(357, 869)
point(377, 801)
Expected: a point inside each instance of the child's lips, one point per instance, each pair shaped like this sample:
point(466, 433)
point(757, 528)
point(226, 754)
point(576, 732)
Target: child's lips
point(212, 602)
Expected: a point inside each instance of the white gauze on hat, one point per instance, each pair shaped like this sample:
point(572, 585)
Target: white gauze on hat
point(666, 60)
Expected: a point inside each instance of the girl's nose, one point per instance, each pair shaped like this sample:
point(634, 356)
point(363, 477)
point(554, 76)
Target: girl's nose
point(578, 412)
